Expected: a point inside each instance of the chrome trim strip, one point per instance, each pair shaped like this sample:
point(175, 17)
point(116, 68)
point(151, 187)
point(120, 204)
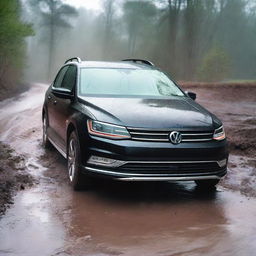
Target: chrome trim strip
point(191, 140)
point(58, 148)
point(135, 135)
point(163, 130)
point(165, 162)
point(195, 134)
point(148, 139)
point(152, 177)
point(149, 133)
point(166, 134)
point(171, 162)
point(189, 178)
point(167, 140)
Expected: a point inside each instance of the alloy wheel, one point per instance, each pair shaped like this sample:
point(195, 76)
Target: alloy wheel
point(44, 130)
point(71, 159)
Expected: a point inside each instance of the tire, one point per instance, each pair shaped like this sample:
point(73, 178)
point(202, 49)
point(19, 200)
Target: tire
point(207, 184)
point(77, 180)
point(46, 142)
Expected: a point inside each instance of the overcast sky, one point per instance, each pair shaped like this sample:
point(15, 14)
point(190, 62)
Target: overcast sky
point(89, 4)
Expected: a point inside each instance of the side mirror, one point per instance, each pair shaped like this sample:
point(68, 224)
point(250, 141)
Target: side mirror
point(62, 93)
point(192, 95)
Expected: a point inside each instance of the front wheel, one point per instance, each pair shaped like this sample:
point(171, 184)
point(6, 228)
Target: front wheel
point(207, 184)
point(46, 142)
point(76, 178)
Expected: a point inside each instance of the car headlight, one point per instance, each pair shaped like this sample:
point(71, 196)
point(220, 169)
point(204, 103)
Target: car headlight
point(110, 131)
point(219, 134)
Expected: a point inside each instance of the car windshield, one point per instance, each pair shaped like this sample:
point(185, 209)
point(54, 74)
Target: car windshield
point(126, 82)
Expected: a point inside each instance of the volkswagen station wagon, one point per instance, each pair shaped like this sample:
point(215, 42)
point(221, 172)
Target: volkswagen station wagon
point(129, 121)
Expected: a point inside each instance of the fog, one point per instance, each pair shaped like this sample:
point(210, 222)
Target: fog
point(209, 47)
point(192, 40)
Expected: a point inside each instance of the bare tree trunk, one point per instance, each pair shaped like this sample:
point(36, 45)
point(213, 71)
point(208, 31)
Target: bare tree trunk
point(108, 26)
point(51, 40)
point(132, 40)
point(192, 19)
point(174, 11)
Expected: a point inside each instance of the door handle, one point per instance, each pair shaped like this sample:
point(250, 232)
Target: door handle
point(55, 102)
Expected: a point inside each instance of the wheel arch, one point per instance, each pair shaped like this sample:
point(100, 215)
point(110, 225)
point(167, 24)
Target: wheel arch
point(77, 123)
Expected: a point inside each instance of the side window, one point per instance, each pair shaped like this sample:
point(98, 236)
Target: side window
point(69, 78)
point(58, 80)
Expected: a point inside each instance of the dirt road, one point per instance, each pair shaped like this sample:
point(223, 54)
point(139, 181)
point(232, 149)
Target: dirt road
point(131, 219)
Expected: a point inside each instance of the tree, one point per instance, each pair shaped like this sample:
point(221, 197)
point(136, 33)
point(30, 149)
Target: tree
point(174, 34)
point(137, 15)
point(54, 14)
point(12, 44)
point(235, 36)
point(109, 12)
point(193, 16)
point(215, 66)
point(172, 14)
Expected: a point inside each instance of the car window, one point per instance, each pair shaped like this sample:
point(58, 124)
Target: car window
point(69, 78)
point(126, 82)
point(58, 80)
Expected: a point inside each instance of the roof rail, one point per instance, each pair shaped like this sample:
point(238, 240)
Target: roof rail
point(140, 60)
point(74, 58)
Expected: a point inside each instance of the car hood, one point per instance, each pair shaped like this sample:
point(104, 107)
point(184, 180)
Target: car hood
point(176, 112)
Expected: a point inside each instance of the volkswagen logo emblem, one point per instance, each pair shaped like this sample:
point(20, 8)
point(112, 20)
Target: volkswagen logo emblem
point(175, 137)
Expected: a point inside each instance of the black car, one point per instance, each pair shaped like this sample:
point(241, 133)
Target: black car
point(128, 121)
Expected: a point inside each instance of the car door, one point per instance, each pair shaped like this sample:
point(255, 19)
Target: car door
point(63, 107)
point(51, 106)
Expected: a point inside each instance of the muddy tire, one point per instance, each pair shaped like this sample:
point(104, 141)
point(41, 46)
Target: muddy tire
point(46, 142)
point(207, 184)
point(77, 179)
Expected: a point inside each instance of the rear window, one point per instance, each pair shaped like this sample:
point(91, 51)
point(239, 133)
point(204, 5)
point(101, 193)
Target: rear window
point(126, 82)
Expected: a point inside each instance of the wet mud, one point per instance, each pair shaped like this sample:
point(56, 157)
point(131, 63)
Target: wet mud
point(236, 107)
point(13, 176)
point(117, 218)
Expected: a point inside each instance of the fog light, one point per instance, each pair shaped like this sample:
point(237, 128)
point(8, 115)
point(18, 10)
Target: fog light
point(103, 161)
point(222, 163)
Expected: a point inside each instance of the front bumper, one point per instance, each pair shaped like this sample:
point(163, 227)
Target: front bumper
point(147, 161)
point(161, 171)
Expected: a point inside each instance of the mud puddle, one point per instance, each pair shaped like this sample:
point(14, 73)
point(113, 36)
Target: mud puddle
point(126, 219)
point(117, 218)
point(29, 228)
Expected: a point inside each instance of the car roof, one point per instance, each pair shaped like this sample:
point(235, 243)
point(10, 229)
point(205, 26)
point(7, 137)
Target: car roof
point(110, 64)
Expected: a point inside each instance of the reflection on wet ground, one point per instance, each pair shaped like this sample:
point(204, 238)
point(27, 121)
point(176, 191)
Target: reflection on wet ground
point(116, 218)
point(29, 227)
point(164, 219)
point(129, 219)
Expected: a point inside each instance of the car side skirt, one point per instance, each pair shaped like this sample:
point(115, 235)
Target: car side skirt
point(59, 149)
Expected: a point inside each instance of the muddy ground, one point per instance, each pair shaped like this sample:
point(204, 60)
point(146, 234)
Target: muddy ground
point(13, 176)
point(235, 105)
point(122, 218)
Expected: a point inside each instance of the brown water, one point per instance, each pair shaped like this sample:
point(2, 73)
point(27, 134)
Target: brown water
point(114, 218)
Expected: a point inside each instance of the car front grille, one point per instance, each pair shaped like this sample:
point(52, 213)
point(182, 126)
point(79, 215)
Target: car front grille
point(181, 168)
point(141, 134)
